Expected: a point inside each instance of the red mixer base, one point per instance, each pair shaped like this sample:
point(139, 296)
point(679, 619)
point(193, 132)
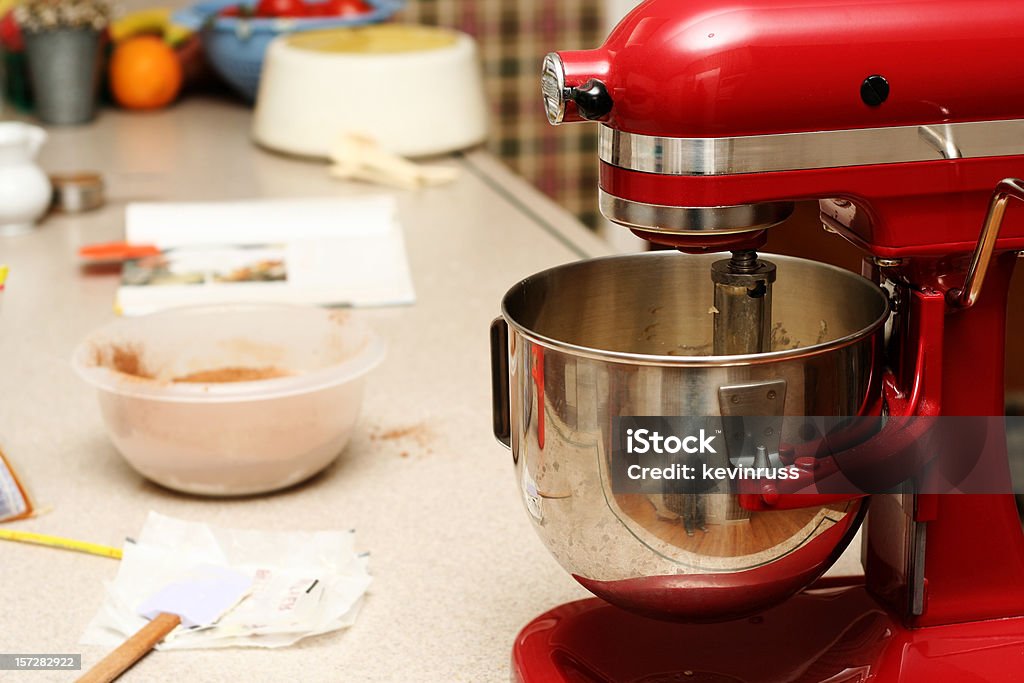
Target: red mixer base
point(837, 634)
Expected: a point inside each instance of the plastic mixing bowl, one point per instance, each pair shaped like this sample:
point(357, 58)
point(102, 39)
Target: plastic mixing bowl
point(230, 400)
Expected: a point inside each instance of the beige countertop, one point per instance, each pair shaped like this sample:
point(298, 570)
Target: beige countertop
point(457, 568)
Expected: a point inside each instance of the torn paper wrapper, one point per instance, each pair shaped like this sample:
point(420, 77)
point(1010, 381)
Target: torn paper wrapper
point(304, 584)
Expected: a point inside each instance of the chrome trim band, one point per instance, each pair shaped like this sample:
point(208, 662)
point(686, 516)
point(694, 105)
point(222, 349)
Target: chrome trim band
point(684, 220)
point(802, 151)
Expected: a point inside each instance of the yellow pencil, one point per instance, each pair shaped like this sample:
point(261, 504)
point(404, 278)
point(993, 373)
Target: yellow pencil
point(58, 542)
point(3, 275)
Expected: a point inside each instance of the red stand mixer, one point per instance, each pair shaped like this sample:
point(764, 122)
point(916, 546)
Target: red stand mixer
point(903, 120)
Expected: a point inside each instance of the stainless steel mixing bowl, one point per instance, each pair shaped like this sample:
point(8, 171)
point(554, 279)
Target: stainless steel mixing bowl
point(632, 336)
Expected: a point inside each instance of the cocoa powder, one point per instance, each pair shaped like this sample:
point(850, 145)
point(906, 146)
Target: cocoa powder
point(231, 374)
point(421, 434)
point(126, 359)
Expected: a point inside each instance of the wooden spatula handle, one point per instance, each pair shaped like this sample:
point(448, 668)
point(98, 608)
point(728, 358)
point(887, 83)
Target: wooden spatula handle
point(131, 650)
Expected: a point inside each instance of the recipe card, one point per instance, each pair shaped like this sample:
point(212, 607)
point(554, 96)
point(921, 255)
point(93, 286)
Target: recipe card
point(337, 252)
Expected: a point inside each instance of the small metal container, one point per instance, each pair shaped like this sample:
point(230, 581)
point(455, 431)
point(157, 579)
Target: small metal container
point(77, 192)
point(64, 66)
point(582, 344)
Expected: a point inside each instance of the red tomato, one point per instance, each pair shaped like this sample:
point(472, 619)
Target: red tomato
point(347, 8)
point(10, 33)
point(318, 9)
point(281, 8)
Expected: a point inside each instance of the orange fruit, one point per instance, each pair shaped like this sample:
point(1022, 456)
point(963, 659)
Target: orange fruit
point(145, 73)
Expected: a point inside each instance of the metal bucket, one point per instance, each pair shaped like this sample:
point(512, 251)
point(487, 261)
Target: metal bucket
point(64, 65)
point(583, 344)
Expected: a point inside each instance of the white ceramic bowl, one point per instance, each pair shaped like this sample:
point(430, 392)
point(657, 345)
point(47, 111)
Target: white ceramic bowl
point(230, 438)
point(416, 90)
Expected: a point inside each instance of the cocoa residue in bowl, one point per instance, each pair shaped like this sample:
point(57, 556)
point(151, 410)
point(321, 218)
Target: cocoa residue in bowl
point(123, 358)
point(232, 374)
point(126, 359)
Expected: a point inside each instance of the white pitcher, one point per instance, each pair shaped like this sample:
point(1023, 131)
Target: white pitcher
point(25, 191)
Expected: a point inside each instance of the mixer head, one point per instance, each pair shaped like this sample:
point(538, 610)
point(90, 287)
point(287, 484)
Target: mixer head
point(716, 117)
point(697, 228)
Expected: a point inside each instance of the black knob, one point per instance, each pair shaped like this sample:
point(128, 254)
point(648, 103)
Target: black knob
point(874, 90)
point(592, 100)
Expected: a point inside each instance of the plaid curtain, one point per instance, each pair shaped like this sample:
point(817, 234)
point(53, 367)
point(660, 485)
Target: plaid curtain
point(514, 36)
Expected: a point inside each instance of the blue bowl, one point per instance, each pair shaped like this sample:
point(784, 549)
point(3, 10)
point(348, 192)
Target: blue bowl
point(235, 46)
